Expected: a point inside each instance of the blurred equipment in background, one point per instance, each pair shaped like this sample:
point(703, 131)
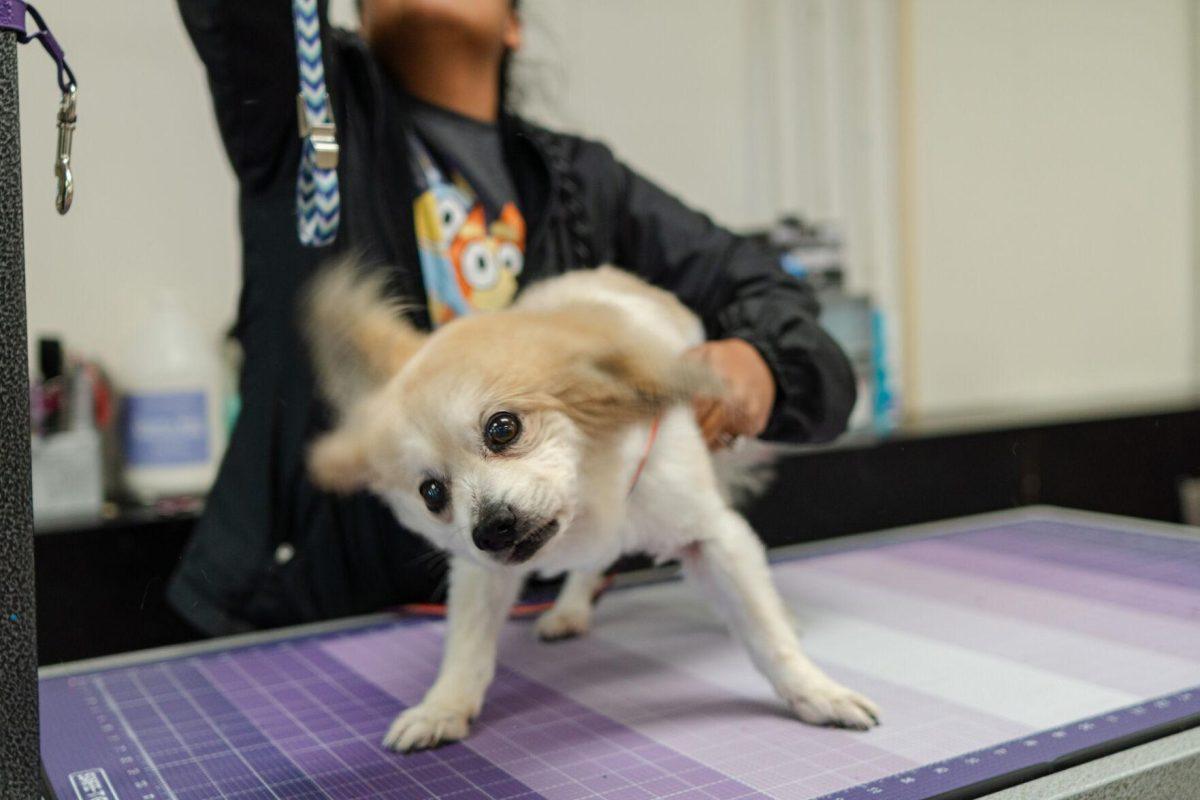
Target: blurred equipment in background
point(178, 401)
point(68, 407)
point(815, 253)
point(173, 414)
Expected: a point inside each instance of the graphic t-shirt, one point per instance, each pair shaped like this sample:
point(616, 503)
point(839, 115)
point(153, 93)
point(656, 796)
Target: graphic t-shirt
point(470, 233)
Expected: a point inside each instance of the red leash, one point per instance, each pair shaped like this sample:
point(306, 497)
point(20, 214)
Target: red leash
point(637, 473)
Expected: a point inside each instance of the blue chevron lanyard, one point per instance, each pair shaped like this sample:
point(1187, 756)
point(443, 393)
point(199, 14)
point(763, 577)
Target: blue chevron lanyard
point(12, 18)
point(318, 202)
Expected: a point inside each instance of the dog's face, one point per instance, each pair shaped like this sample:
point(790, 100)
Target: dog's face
point(466, 455)
point(476, 435)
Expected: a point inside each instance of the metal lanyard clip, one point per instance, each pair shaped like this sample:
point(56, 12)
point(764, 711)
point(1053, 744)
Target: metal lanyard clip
point(322, 135)
point(12, 18)
point(62, 162)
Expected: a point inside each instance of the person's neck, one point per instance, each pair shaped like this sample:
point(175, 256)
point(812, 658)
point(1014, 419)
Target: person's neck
point(465, 84)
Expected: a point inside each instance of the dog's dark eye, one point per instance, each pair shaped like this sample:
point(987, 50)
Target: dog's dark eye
point(435, 495)
point(501, 431)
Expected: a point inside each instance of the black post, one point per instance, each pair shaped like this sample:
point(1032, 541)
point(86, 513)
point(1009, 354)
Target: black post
point(19, 761)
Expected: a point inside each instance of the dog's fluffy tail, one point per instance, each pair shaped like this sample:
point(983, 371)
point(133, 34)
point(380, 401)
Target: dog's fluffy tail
point(746, 471)
point(357, 334)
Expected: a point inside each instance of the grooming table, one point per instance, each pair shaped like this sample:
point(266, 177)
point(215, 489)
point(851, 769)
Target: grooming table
point(999, 647)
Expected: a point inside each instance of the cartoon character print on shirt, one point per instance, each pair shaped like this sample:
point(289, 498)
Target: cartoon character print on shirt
point(467, 264)
point(439, 213)
point(488, 260)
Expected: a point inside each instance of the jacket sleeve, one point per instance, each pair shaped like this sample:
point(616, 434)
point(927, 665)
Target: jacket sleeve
point(249, 55)
point(738, 288)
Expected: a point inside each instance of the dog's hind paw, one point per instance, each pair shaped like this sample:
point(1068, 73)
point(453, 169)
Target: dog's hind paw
point(426, 725)
point(558, 624)
point(833, 704)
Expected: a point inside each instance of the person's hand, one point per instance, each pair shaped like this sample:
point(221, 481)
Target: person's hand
point(749, 396)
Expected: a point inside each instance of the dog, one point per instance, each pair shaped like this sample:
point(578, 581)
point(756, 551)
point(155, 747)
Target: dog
point(551, 437)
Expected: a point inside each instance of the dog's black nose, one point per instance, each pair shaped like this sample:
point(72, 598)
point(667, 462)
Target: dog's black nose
point(496, 529)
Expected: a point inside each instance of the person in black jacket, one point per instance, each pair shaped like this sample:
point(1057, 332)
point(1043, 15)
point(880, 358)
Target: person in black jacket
point(468, 202)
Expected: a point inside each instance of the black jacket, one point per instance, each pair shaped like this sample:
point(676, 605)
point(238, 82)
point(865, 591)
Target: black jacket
point(582, 208)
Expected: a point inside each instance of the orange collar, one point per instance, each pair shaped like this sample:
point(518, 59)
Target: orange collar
point(637, 473)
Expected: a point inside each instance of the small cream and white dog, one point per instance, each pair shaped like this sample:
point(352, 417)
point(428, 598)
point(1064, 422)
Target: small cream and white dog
point(512, 439)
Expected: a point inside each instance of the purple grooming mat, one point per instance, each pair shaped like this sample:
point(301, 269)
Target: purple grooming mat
point(999, 648)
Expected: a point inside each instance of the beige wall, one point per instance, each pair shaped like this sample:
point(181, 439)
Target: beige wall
point(154, 204)
point(668, 84)
point(1048, 156)
point(1049, 174)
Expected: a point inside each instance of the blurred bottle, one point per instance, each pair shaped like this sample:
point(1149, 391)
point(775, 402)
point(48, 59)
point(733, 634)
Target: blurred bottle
point(66, 465)
point(172, 420)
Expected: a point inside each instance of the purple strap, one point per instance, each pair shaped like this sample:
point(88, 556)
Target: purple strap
point(12, 18)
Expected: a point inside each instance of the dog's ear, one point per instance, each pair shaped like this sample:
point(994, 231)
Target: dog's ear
point(624, 381)
point(358, 336)
point(337, 461)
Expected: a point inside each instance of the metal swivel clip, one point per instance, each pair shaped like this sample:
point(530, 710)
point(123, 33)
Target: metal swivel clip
point(62, 162)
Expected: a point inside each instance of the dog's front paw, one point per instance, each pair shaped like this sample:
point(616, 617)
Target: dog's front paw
point(829, 703)
point(559, 623)
point(426, 725)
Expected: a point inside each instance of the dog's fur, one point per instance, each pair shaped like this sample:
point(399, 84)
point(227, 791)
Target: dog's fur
point(587, 361)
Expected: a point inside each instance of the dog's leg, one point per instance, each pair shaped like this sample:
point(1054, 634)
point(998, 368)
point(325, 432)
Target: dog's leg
point(480, 600)
point(572, 611)
point(731, 565)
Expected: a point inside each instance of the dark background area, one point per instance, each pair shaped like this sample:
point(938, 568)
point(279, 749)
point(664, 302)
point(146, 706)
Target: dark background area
point(100, 587)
